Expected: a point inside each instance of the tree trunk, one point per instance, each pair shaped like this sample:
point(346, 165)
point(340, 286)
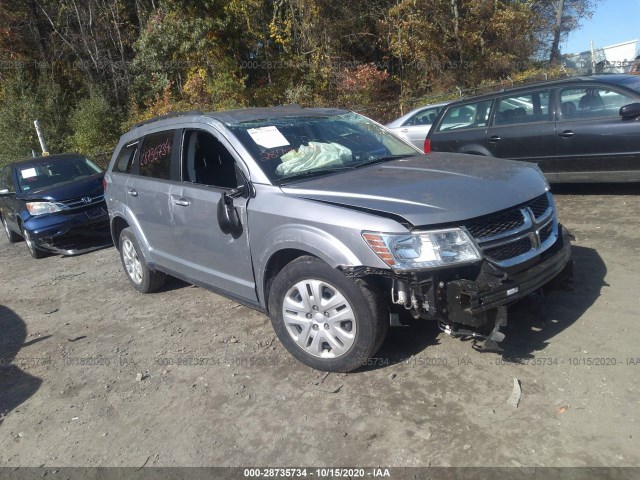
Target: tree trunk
point(555, 47)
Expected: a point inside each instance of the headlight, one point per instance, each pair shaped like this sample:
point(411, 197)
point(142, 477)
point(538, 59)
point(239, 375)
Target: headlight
point(422, 250)
point(42, 208)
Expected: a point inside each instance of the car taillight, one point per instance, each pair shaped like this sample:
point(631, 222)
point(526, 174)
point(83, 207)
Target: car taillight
point(427, 145)
point(104, 183)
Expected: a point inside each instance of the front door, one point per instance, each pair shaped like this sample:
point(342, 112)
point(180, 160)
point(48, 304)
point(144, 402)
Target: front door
point(593, 141)
point(207, 254)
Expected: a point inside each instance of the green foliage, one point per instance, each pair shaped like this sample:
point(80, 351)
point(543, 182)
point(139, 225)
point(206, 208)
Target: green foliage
point(142, 58)
point(94, 125)
point(23, 100)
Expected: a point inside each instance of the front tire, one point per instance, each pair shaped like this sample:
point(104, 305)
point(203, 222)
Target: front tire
point(31, 246)
point(324, 319)
point(140, 276)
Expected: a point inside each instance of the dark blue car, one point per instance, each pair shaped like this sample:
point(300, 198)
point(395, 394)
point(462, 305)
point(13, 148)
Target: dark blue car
point(56, 203)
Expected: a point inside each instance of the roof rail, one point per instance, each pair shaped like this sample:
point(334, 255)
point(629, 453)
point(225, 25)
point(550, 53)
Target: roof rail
point(168, 115)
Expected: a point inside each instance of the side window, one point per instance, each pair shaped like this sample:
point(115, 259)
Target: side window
point(470, 115)
point(425, 117)
point(124, 161)
point(591, 102)
point(523, 108)
point(206, 161)
point(155, 155)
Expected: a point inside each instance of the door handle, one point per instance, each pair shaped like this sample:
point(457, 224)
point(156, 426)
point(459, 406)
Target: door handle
point(567, 134)
point(181, 202)
point(494, 139)
point(133, 193)
point(404, 130)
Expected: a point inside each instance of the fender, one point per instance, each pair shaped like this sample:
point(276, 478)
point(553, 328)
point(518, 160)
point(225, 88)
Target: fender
point(302, 237)
point(128, 216)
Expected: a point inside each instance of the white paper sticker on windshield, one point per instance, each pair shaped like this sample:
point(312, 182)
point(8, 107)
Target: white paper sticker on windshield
point(28, 172)
point(268, 137)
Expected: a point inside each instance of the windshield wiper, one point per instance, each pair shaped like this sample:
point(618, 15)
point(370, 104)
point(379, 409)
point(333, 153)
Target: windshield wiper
point(315, 172)
point(383, 159)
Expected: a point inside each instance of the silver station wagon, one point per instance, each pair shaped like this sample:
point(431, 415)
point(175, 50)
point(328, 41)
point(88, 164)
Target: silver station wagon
point(332, 226)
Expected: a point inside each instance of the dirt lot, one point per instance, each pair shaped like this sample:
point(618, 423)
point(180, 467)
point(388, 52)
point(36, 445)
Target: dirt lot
point(218, 389)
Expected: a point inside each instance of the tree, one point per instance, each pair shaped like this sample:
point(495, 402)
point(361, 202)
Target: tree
point(94, 124)
point(558, 18)
point(22, 102)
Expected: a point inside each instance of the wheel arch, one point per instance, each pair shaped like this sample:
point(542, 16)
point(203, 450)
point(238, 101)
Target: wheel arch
point(475, 150)
point(289, 242)
point(275, 264)
point(117, 225)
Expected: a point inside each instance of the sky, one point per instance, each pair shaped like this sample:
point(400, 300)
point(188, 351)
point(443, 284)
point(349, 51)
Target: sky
point(613, 21)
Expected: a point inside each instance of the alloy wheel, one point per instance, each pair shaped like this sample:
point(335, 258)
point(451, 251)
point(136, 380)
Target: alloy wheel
point(131, 261)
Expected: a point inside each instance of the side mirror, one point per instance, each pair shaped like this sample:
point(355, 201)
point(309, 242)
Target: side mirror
point(4, 192)
point(239, 191)
point(228, 218)
point(630, 111)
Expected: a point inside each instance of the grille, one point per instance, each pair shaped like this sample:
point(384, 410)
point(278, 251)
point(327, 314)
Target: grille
point(539, 205)
point(546, 232)
point(510, 250)
point(496, 225)
point(79, 203)
point(508, 228)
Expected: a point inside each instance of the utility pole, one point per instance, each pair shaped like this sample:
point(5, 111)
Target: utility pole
point(593, 59)
point(43, 145)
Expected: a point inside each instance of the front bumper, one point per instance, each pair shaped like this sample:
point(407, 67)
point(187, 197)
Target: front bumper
point(71, 233)
point(467, 301)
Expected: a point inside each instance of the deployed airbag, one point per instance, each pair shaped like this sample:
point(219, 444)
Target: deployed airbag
point(312, 156)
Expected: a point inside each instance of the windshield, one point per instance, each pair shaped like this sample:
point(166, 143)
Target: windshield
point(294, 147)
point(45, 174)
point(629, 81)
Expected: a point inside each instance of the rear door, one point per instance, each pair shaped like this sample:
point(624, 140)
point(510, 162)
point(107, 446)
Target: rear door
point(417, 127)
point(207, 255)
point(148, 193)
point(462, 128)
point(523, 128)
point(593, 141)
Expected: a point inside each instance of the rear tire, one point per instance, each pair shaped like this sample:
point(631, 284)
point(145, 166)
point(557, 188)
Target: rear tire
point(140, 276)
point(323, 318)
point(12, 236)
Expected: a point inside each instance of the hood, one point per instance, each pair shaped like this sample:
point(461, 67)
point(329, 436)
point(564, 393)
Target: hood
point(429, 189)
point(89, 186)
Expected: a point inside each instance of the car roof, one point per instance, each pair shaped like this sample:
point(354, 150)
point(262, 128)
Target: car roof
point(613, 79)
point(234, 117)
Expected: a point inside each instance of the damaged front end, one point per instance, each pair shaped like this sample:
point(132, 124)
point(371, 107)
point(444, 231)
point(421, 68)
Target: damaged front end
point(523, 250)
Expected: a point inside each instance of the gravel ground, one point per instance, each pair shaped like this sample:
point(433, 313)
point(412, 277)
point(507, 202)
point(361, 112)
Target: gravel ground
point(95, 374)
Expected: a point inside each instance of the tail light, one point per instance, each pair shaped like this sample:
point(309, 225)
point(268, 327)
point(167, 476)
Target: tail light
point(104, 183)
point(427, 145)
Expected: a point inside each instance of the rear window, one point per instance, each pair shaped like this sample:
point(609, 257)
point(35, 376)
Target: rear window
point(155, 155)
point(523, 108)
point(125, 159)
point(469, 115)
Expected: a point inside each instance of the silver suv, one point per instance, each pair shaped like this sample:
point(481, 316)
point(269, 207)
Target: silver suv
point(331, 225)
